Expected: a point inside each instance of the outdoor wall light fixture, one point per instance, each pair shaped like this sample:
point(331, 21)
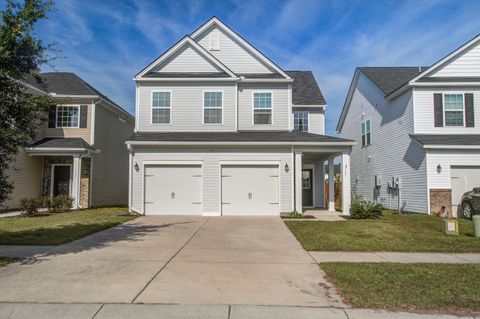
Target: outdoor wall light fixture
point(439, 168)
point(287, 168)
point(136, 167)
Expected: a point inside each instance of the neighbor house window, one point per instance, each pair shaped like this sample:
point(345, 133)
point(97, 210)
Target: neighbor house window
point(212, 107)
point(161, 107)
point(68, 116)
point(366, 133)
point(300, 121)
point(453, 106)
point(262, 108)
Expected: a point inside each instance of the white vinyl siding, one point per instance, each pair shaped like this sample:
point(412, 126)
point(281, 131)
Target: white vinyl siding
point(187, 59)
point(316, 123)
point(465, 64)
point(394, 153)
point(300, 121)
point(212, 107)
point(68, 116)
point(280, 106)
point(424, 110)
point(186, 111)
point(211, 162)
point(161, 103)
point(454, 109)
point(262, 108)
point(232, 54)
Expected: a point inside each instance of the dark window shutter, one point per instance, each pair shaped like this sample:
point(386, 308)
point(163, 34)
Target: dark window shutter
point(52, 116)
point(438, 109)
point(469, 115)
point(83, 116)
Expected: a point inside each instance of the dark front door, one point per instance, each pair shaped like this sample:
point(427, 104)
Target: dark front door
point(307, 187)
point(61, 180)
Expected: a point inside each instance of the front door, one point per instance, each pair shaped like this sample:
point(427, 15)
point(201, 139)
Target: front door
point(307, 187)
point(61, 180)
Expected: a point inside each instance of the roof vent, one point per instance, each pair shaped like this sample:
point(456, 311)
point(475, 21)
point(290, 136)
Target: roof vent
point(214, 41)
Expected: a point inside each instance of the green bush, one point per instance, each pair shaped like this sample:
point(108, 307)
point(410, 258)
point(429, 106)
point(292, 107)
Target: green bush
point(58, 204)
point(363, 209)
point(30, 205)
point(295, 214)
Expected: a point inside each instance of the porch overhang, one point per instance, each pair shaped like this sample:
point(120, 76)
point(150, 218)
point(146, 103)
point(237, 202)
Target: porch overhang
point(60, 147)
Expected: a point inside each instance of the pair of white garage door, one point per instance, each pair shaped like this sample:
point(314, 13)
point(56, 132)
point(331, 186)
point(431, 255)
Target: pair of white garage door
point(244, 190)
point(464, 179)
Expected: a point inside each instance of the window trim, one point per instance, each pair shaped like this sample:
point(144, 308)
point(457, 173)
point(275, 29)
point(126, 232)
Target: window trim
point(78, 116)
point(253, 106)
point(160, 107)
point(361, 133)
point(210, 107)
point(308, 120)
point(445, 111)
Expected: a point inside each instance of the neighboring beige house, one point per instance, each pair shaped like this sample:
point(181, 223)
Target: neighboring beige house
point(80, 151)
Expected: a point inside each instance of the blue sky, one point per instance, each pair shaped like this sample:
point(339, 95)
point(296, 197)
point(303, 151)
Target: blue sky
point(107, 42)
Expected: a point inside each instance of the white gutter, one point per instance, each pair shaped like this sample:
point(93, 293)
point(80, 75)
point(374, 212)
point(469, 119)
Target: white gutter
point(428, 84)
point(452, 147)
point(266, 80)
point(229, 143)
point(185, 79)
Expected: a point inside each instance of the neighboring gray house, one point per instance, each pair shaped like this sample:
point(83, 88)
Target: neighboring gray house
point(420, 124)
point(80, 151)
point(222, 130)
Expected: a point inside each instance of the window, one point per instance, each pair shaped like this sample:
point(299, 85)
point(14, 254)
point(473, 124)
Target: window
point(212, 107)
point(306, 179)
point(68, 116)
point(161, 107)
point(453, 107)
point(300, 121)
point(262, 108)
point(366, 133)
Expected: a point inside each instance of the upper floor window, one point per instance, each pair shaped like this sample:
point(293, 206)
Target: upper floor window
point(68, 116)
point(300, 121)
point(212, 107)
point(453, 106)
point(366, 133)
point(262, 108)
point(161, 107)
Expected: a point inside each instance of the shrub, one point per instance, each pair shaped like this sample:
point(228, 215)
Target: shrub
point(363, 209)
point(30, 205)
point(59, 204)
point(295, 214)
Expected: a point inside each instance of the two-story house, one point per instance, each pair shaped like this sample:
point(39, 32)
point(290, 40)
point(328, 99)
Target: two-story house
point(80, 151)
point(222, 130)
point(418, 130)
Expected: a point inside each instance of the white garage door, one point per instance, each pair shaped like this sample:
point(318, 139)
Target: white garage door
point(464, 179)
point(250, 190)
point(173, 190)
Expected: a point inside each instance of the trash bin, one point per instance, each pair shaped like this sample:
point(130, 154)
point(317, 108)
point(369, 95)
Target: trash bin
point(476, 225)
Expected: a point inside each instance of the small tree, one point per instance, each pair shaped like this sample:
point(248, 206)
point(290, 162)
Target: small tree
point(21, 55)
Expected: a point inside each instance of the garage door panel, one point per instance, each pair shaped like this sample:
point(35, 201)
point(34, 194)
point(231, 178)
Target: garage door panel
point(464, 179)
point(173, 190)
point(250, 190)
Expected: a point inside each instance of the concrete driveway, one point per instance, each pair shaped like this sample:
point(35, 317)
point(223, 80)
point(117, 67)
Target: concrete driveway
point(175, 259)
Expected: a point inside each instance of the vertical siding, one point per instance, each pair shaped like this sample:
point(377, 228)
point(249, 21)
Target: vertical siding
point(187, 60)
point(211, 171)
point(27, 180)
point(72, 132)
point(186, 111)
point(392, 153)
point(465, 64)
point(233, 54)
point(424, 117)
point(110, 167)
point(280, 106)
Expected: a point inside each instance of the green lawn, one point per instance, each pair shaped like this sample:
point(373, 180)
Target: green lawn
point(392, 232)
point(439, 287)
point(59, 228)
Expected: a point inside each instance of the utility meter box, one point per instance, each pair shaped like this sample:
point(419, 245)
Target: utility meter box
point(378, 181)
point(451, 227)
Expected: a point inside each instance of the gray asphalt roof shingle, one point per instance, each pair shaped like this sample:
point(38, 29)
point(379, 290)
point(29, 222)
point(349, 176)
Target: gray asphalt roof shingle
point(305, 90)
point(388, 79)
point(443, 139)
point(240, 136)
point(67, 142)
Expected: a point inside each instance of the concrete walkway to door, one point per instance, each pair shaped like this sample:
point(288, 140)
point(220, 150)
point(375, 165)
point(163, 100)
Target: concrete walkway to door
point(175, 259)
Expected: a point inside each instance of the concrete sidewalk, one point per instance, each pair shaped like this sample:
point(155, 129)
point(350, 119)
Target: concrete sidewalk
point(391, 257)
point(150, 311)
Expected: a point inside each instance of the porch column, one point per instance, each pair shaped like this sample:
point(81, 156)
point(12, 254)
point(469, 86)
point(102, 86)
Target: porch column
point(76, 176)
point(346, 195)
point(331, 184)
point(298, 183)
